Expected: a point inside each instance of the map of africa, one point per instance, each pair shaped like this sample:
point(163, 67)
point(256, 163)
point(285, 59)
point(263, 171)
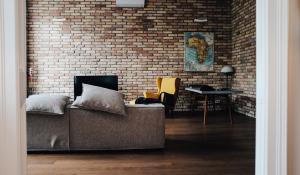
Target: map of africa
point(199, 51)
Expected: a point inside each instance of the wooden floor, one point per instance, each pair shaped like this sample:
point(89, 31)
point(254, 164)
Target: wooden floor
point(191, 149)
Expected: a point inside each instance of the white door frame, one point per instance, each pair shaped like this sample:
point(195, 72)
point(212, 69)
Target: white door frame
point(293, 88)
point(271, 105)
point(12, 87)
point(271, 89)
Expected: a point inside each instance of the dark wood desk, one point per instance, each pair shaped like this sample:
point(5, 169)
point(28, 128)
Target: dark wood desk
point(225, 93)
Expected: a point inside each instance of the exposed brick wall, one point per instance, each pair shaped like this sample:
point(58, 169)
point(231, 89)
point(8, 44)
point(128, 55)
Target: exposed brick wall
point(244, 54)
point(137, 44)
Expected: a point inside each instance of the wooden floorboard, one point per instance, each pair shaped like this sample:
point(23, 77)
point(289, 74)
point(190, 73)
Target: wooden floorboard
point(191, 149)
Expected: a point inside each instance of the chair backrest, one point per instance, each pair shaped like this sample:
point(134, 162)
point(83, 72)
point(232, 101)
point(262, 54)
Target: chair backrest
point(168, 85)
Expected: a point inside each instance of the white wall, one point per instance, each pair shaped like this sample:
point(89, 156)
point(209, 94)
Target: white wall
point(294, 89)
point(12, 87)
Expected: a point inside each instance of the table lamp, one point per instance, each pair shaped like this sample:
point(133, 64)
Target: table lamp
point(227, 70)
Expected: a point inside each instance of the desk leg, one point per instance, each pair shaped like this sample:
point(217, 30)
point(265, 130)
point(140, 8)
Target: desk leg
point(229, 108)
point(214, 102)
point(205, 110)
point(192, 102)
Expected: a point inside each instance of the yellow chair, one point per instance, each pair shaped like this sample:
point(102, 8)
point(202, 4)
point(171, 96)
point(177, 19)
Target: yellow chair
point(167, 92)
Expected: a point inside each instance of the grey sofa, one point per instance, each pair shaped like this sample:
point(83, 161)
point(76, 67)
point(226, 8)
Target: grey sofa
point(78, 129)
point(48, 132)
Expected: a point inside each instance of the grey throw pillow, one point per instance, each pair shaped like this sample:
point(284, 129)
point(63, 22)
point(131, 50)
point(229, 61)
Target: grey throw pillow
point(46, 103)
point(102, 99)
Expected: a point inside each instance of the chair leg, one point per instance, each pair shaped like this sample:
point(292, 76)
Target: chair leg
point(169, 112)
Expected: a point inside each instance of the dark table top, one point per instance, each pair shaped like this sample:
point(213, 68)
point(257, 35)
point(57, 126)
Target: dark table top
point(214, 92)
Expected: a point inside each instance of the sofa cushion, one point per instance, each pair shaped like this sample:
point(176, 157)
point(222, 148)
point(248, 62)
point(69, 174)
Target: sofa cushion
point(142, 128)
point(46, 103)
point(102, 99)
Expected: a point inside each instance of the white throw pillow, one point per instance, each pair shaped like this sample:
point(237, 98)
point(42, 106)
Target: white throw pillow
point(102, 99)
point(77, 102)
point(46, 103)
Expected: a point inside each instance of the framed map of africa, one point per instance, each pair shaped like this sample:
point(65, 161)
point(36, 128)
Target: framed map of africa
point(198, 51)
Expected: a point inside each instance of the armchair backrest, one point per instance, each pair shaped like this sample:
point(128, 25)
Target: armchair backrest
point(168, 85)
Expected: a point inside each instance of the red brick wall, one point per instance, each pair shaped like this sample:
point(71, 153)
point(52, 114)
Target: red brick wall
point(244, 54)
point(137, 44)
